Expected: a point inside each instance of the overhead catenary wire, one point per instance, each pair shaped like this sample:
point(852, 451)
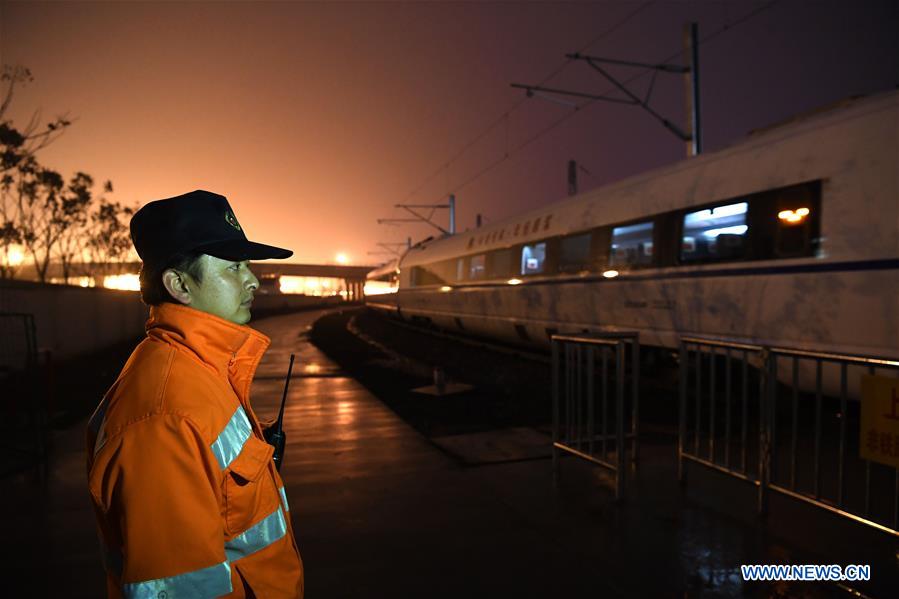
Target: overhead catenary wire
point(509, 153)
point(504, 117)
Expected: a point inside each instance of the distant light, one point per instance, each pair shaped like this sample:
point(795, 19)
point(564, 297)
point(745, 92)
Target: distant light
point(289, 284)
point(128, 282)
point(793, 217)
point(342, 258)
point(514, 281)
point(446, 288)
point(379, 287)
point(312, 368)
point(315, 286)
point(610, 274)
point(15, 255)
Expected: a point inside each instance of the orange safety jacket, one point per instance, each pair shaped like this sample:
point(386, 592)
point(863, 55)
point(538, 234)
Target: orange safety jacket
point(187, 498)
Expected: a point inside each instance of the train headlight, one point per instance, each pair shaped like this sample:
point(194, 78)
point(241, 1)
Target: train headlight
point(446, 288)
point(514, 281)
point(610, 274)
point(793, 217)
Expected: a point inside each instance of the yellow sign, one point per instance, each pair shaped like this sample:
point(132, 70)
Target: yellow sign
point(880, 420)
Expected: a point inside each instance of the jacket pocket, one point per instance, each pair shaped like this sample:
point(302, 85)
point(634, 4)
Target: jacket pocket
point(248, 494)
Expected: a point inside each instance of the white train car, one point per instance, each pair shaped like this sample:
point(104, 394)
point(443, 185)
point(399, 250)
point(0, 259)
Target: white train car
point(790, 238)
point(383, 279)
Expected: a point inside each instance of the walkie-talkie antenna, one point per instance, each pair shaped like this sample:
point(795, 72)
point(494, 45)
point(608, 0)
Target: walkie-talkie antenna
point(275, 435)
point(280, 422)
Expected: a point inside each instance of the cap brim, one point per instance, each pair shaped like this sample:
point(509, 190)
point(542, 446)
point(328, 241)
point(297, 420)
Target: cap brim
point(239, 249)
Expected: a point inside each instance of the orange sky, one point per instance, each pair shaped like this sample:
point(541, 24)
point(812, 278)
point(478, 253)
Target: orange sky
point(315, 118)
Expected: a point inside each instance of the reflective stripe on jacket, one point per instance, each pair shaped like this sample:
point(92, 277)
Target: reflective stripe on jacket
point(187, 498)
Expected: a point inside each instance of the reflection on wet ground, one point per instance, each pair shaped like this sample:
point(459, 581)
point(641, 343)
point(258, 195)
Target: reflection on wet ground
point(381, 511)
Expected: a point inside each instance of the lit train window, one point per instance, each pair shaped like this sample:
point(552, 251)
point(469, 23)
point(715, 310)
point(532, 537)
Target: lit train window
point(793, 232)
point(632, 245)
point(532, 258)
point(717, 233)
point(574, 253)
point(477, 267)
point(798, 217)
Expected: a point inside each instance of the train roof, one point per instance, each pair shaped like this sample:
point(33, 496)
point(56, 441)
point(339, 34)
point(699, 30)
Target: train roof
point(622, 201)
point(385, 269)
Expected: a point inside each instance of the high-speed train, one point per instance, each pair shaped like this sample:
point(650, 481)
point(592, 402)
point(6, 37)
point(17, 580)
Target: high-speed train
point(788, 239)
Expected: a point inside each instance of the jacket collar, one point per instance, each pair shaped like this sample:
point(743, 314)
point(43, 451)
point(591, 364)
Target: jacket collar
point(232, 350)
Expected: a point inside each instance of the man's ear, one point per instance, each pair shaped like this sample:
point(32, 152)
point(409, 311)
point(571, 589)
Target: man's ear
point(176, 284)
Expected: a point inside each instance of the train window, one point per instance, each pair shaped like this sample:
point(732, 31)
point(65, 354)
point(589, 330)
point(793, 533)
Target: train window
point(500, 263)
point(717, 233)
point(444, 270)
point(574, 253)
point(477, 267)
point(797, 220)
point(533, 257)
point(785, 222)
point(460, 269)
point(423, 275)
point(632, 245)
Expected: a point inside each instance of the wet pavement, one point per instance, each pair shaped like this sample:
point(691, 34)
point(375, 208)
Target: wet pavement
point(382, 511)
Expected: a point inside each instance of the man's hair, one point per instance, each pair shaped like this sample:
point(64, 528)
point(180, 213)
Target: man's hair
point(153, 292)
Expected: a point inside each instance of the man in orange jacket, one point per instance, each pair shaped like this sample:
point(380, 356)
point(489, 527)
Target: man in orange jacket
point(187, 498)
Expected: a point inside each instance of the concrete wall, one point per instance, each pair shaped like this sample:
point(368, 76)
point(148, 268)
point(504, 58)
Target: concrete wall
point(72, 321)
point(75, 320)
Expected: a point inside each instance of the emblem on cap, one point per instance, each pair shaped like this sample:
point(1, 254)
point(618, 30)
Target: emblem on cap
point(232, 220)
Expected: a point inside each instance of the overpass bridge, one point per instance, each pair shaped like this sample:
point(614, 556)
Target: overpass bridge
point(267, 272)
point(352, 276)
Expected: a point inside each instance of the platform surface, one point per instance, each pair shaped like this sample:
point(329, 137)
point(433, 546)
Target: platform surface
point(381, 511)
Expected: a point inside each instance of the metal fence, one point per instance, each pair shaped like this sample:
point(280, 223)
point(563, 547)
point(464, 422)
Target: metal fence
point(790, 424)
point(588, 421)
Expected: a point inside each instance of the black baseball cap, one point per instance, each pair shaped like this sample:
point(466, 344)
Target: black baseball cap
point(199, 221)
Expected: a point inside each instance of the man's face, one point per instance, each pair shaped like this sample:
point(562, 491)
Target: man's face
point(226, 291)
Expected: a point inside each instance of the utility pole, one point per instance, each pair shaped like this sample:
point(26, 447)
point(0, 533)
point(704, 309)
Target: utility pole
point(572, 177)
point(452, 214)
point(691, 87)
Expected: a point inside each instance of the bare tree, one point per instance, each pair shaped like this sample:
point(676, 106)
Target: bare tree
point(47, 208)
point(109, 238)
point(9, 230)
point(73, 238)
point(17, 151)
point(17, 145)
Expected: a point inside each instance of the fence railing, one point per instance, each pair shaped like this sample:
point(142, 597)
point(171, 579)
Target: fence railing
point(588, 422)
point(797, 429)
point(743, 388)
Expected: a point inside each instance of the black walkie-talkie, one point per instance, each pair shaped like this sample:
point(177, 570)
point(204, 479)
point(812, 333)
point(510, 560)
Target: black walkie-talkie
point(275, 435)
